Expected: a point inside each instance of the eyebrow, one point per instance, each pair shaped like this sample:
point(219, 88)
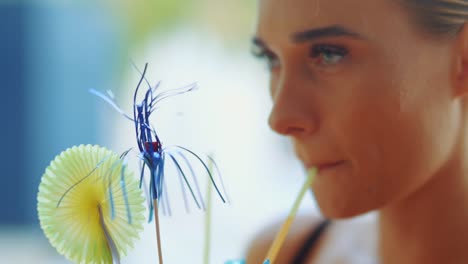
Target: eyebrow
point(316, 33)
point(330, 31)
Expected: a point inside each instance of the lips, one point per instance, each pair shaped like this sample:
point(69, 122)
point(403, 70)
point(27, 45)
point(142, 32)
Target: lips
point(322, 162)
point(328, 165)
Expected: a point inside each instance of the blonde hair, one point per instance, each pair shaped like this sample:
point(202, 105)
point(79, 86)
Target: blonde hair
point(438, 18)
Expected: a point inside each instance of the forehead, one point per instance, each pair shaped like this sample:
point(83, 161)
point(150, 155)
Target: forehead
point(277, 19)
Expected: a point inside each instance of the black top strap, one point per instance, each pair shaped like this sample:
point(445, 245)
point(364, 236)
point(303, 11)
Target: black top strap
point(310, 242)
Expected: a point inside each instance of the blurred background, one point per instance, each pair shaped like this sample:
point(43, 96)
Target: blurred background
point(53, 52)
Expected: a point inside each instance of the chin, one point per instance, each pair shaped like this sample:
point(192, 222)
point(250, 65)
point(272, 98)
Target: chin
point(343, 214)
point(345, 208)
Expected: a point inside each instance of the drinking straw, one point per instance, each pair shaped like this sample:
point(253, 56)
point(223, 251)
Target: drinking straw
point(280, 237)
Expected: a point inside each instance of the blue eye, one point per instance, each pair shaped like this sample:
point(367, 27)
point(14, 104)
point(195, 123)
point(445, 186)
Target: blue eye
point(327, 54)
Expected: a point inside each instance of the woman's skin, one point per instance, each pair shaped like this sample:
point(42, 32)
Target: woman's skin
point(370, 93)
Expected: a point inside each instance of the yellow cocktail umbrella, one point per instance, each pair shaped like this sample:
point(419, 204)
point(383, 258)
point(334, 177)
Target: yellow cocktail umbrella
point(90, 207)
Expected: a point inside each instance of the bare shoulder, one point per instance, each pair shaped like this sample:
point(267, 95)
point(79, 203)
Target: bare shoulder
point(351, 241)
point(345, 241)
point(300, 229)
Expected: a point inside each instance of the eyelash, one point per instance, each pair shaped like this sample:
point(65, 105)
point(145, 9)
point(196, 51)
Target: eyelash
point(314, 53)
point(267, 55)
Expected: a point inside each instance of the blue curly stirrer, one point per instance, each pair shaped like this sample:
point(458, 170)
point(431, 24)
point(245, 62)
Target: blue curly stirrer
point(152, 153)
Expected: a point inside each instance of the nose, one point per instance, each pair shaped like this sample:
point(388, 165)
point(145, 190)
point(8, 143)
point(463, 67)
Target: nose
point(293, 111)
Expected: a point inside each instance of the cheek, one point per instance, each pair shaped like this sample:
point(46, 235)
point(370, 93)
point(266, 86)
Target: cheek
point(395, 149)
point(392, 150)
point(361, 120)
point(397, 129)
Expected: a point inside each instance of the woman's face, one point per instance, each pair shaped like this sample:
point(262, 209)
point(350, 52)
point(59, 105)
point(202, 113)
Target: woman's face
point(362, 95)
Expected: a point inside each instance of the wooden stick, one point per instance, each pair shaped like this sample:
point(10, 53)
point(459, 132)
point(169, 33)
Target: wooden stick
point(158, 236)
point(206, 256)
point(281, 236)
